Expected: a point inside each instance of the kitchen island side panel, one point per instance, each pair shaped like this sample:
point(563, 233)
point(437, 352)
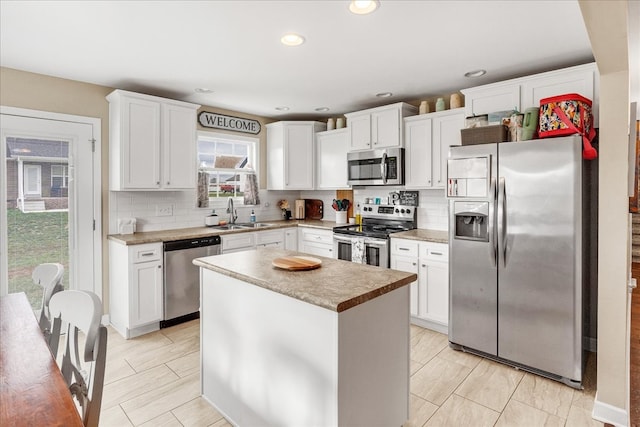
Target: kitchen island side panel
point(373, 367)
point(269, 359)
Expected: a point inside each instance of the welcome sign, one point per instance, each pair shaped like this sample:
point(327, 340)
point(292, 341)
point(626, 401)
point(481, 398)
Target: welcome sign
point(220, 121)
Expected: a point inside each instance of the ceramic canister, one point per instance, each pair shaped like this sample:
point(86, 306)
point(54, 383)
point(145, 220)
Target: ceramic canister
point(331, 124)
point(440, 104)
point(455, 101)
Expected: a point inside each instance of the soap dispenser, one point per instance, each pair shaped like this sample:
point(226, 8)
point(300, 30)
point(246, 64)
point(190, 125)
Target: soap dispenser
point(252, 218)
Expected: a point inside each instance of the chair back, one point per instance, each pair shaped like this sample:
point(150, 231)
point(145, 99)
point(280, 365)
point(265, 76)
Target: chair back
point(49, 277)
point(81, 311)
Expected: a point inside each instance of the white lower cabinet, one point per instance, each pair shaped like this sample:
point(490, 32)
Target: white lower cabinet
point(291, 239)
point(430, 293)
point(270, 239)
point(238, 242)
point(136, 276)
point(315, 241)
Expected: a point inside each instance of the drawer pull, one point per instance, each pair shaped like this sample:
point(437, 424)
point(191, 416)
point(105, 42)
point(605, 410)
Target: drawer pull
point(403, 249)
point(147, 254)
point(437, 253)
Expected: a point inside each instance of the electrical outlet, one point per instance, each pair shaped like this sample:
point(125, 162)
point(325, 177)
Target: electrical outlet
point(164, 210)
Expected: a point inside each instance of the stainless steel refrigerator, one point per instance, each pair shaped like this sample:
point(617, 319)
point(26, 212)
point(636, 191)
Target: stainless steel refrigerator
point(518, 244)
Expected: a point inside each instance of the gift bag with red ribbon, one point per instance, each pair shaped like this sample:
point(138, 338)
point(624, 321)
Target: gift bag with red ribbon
point(567, 115)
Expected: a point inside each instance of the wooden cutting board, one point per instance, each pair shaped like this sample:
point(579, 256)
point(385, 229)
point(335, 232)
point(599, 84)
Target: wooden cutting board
point(297, 263)
point(313, 208)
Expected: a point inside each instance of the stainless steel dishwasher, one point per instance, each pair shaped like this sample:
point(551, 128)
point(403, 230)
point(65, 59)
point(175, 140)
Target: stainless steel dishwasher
point(182, 278)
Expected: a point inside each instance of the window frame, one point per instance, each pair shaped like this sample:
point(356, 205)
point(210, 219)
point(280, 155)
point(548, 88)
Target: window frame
point(64, 176)
point(232, 138)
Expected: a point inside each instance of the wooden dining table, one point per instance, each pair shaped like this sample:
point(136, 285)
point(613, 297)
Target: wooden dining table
point(32, 389)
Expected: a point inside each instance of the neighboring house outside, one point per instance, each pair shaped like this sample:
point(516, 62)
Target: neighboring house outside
point(37, 174)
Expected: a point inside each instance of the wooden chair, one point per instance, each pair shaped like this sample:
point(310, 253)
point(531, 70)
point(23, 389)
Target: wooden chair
point(49, 276)
point(82, 311)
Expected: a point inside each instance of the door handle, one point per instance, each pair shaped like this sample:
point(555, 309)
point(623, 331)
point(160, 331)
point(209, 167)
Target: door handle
point(502, 219)
point(383, 167)
point(493, 250)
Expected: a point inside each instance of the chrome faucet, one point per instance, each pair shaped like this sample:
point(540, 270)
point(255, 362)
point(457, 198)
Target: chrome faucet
point(233, 214)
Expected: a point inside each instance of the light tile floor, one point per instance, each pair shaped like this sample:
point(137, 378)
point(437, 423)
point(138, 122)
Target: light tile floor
point(153, 380)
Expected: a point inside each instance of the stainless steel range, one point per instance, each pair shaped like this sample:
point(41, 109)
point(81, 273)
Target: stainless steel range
point(369, 243)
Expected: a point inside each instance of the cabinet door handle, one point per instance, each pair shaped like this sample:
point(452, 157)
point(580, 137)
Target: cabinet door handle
point(168, 182)
point(159, 266)
point(423, 265)
point(157, 182)
point(413, 263)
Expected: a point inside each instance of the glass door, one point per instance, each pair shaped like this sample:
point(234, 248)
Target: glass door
point(52, 202)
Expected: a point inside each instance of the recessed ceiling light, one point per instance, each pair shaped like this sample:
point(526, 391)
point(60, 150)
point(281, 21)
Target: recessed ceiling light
point(320, 109)
point(202, 90)
point(362, 7)
point(384, 94)
point(475, 73)
point(282, 108)
point(292, 39)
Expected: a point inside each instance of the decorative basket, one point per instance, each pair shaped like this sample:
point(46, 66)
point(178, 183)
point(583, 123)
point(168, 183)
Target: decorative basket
point(484, 135)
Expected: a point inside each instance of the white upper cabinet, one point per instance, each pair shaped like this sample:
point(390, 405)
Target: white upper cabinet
point(419, 152)
point(526, 92)
point(291, 155)
point(379, 127)
point(583, 80)
point(427, 141)
point(152, 142)
point(179, 146)
point(484, 100)
point(331, 159)
point(446, 133)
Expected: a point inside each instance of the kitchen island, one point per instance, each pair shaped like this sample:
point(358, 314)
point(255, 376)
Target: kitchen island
point(323, 347)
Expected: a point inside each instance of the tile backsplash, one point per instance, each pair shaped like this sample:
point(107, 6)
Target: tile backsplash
point(433, 212)
point(165, 210)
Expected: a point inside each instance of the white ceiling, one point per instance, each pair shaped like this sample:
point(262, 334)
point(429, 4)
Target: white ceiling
point(414, 49)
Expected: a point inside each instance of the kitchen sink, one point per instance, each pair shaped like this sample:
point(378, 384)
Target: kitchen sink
point(229, 227)
point(240, 226)
point(252, 224)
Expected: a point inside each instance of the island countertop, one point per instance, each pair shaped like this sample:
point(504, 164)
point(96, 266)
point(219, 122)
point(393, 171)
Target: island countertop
point(337, 285)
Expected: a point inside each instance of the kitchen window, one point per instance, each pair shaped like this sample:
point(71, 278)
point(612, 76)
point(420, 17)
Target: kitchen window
point(227, 159)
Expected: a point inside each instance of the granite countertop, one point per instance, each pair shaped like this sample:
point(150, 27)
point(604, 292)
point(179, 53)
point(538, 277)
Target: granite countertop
point(434, 236)
point(337, 285)
point(197, 232)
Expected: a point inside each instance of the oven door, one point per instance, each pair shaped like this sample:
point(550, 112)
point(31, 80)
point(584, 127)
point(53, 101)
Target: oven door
point(342, 247)
point(377, 252)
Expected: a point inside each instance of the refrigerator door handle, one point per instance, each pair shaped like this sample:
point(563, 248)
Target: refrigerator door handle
point(502, 219)
point(491, 228)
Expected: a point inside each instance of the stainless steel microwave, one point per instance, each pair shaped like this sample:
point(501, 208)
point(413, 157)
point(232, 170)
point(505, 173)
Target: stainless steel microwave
point(376, 167)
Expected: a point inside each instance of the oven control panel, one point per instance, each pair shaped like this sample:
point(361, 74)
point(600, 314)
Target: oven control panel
point(402, 212)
